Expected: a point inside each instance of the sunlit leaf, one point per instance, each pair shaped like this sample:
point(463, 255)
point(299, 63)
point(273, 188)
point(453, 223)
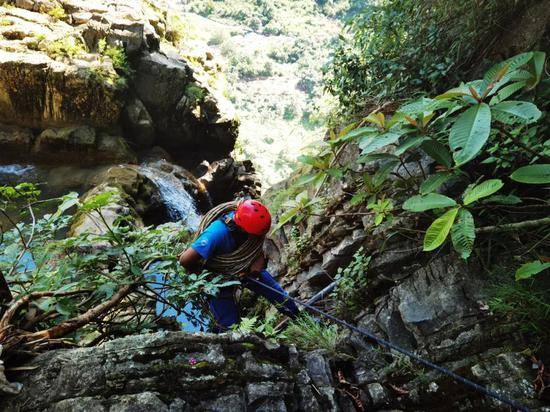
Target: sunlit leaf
point(428, 202)
point(439, 230)
point(484, 189)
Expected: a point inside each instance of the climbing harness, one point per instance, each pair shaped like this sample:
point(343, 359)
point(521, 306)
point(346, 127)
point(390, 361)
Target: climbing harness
point(388, 344)
point(241, 259)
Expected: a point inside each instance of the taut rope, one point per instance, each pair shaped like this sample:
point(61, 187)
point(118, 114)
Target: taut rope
point(241, 259)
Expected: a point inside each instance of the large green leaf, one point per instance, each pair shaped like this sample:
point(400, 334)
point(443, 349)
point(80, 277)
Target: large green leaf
point(530, 269)
point(427, 202)
point(357, 133)
point(512, 112)
point(437, 151)
point(383, 172)
point(536, 67)
point(470, 132)
point(439, 230)
point(534, 174)
point(409, 143)
point(484, 189)
point(369, 144)
point(511, 64)
point(507, 92)
point(434, 182)
point(463, 233)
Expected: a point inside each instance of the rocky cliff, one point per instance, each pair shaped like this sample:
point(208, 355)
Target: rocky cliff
point(97, 82)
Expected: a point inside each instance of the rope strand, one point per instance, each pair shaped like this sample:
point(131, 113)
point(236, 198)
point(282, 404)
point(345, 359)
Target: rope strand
point(388, 344)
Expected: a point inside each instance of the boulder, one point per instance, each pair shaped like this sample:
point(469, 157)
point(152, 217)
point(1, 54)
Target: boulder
point(94, 223)
point(80, 145)
point(228, 179)
point(15, 143)
point(139, 126)
point(168, 371)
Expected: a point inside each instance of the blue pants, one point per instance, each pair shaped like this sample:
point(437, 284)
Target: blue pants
point(224, 307)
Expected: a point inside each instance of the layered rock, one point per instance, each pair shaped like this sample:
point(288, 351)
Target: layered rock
point(108, 66)
point(175, 371)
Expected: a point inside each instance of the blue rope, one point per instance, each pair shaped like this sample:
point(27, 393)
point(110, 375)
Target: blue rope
point(388, 344)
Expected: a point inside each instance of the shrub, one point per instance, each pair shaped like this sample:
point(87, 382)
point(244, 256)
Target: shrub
point(66, 47)
point(397, 47)
point(57, 12)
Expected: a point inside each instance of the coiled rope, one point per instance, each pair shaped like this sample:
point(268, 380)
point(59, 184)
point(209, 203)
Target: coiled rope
point(241, 259)
point(411, 355)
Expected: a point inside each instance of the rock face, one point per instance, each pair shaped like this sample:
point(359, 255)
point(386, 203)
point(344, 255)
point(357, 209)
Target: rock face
point(175, 371)
point(433, 305)
point(72, 65)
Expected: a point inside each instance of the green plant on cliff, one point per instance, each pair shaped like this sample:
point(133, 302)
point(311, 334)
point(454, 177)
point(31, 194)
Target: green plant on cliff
point(309, 333)
point(348, 296)
point(393, 48)
point(53, 286)
point(474, 123)
point(57, 12)
point(118, 57)
point(66, 47)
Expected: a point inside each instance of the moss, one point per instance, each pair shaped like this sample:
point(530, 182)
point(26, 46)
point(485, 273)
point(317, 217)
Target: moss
point(66, 47)
point(194, 93)
point(58, 12)
point(249, 346)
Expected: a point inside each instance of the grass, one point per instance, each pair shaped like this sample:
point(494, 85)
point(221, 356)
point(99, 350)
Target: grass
point(526, 302)
point(310, 334)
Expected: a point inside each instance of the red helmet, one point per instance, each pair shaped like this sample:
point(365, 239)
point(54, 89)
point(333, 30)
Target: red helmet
point(253, 217)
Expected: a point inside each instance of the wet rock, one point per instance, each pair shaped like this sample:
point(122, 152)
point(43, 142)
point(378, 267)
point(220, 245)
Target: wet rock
point(138, 123)
point(228, 179)
point(15, 143)
point(80, 145)
point(55, 94)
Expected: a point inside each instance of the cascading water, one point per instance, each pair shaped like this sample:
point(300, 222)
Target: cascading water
point(16, 173)
point(180, 205)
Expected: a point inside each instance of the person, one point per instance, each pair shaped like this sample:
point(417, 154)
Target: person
point(225, 235)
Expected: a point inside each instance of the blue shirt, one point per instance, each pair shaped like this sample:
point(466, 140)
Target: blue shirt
point(216, 239)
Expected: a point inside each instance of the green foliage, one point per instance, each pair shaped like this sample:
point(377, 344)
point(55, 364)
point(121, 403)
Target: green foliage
point(349, 295)
point(529, 269)
point(80, 272)
point(66, 47)
point(58, 12)
point(524, 303)
point(533, 174)
point(394, 48)
point(309, 334)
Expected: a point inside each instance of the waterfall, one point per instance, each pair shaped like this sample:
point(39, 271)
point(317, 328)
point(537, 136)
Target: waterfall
point(179, 203)
point(16, 173)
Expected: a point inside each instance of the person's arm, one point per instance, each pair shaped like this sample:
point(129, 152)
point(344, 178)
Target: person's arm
point(258, 264)
point(188, 258)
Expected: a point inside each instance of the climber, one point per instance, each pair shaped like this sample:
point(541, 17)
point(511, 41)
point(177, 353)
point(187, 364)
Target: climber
point(229, 233)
